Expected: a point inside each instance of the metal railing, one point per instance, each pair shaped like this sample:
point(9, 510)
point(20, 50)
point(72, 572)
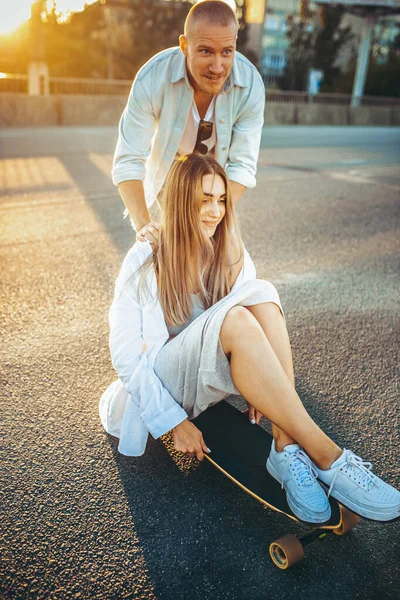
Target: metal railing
point(75, 85)
point(327, 98)
point(13, 83)
point(18, 83)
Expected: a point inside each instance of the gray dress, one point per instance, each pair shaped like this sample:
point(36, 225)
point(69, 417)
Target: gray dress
point(193, 366)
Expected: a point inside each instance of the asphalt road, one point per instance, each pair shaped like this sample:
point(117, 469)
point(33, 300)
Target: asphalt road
point(81, 521)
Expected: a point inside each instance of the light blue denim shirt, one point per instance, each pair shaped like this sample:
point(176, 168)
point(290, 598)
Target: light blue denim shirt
point(154, 120)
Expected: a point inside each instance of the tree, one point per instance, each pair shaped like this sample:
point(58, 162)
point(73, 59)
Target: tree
point(330, 40)
point(124, 32)
point(383, 77)
point(299, 55)
point(14, 50)
point(315, 41)
point(76, 47)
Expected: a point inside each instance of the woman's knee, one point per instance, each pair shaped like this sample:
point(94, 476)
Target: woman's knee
point(235, 317)
point(267, 310)
point(238, 320)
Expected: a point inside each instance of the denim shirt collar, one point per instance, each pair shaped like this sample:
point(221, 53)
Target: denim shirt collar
point(179, 72)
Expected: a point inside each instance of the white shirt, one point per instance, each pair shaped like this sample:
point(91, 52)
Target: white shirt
point(137, 403)
point(189, 137)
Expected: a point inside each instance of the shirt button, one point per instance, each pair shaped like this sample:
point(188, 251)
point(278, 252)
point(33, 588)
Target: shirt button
point(222, 121)
point(223, 149)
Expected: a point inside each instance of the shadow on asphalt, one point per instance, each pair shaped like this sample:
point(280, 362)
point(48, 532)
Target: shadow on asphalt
point(200, 533)
point(88, 178)
point(24, 190)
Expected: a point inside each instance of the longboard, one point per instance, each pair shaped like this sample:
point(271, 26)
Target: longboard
point(240, 450)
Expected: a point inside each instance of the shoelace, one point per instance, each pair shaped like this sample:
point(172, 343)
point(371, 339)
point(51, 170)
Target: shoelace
point(359, 470)
point(303, 468)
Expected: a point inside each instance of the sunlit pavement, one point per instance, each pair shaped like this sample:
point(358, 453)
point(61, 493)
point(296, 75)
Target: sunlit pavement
point(81, 521)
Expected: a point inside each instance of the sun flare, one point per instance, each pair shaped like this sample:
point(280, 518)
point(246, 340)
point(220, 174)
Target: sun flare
point(11, 19)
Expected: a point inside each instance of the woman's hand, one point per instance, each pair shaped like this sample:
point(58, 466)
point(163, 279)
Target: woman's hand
point(187, 438)
point(253, 414)
point(149, 232)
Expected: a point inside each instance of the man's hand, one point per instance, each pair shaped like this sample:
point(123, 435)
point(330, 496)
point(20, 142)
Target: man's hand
point(253, 414)
point(187, 438)
point(149, 232)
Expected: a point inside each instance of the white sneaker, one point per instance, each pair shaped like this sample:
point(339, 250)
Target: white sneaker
point(296, 473)
point(352, 483)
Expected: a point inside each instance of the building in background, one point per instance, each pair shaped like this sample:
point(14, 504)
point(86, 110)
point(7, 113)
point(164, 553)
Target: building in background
point(275, 42)
point(385, 32)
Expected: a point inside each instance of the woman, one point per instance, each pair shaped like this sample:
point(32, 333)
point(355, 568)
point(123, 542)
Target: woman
point(191, 324)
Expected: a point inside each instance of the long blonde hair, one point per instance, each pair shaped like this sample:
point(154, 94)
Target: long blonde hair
point(187, 261)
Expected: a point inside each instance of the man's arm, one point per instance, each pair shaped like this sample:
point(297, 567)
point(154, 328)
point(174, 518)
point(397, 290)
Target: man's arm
point(237, 191)
point(132, 193)
point(245, 142)
point(136, 129)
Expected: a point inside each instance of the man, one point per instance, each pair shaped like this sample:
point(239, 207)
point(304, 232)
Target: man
point(201, 96)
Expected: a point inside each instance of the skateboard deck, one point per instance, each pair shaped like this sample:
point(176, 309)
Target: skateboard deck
point(240, 450)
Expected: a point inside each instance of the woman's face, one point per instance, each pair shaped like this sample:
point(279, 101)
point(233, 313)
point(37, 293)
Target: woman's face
point(213, 207)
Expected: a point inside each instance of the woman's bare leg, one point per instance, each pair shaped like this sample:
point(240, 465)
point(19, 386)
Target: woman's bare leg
point(262, 381)
point(273, 325)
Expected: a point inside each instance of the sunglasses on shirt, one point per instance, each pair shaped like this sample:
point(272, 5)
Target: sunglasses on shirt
point(204, 133)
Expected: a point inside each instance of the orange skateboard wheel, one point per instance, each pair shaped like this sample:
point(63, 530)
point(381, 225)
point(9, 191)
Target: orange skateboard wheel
point(286, 551)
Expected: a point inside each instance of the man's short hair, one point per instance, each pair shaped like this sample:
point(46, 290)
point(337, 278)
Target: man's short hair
point(216, 12)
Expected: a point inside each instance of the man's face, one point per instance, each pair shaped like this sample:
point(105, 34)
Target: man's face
point(209, 51)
